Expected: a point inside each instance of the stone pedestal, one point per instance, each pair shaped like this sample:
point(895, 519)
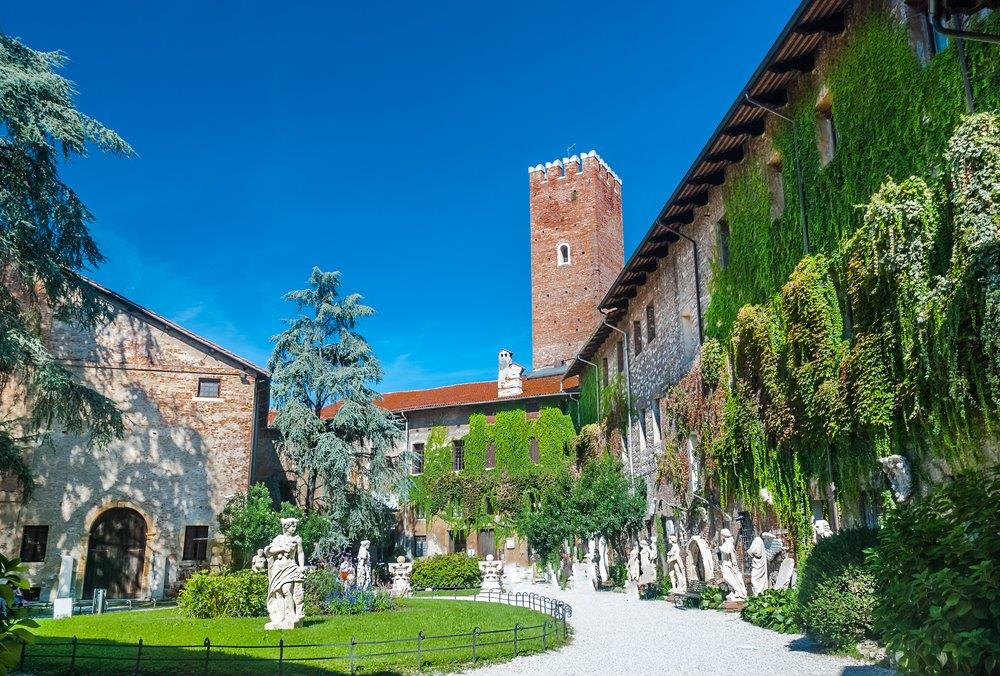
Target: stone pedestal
point(158, 577)
point(62, 607)
point(64, 587)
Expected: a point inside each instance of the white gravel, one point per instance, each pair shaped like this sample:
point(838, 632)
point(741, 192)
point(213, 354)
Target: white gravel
point(612, 635)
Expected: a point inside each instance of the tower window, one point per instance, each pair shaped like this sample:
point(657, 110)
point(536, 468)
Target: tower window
point(564, 254)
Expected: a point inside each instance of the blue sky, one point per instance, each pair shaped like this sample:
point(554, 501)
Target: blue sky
point(389, 141)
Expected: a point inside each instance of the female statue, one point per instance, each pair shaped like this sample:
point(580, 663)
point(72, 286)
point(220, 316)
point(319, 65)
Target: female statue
point(730, 570)
point(285, 577)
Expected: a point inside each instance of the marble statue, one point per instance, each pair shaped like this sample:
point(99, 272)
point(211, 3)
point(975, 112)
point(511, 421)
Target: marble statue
point(216, 564)
point(591, 560)
point(491, 571)
point(363, 570)
point(259, 562)
point(897, 468)
point(401, 571)
point(647, 563)
point(786, 574)
point(730, 567)
point(632, 586)
point(821, 529)
point(675, 567)
point(285, 575)
point(758, 565)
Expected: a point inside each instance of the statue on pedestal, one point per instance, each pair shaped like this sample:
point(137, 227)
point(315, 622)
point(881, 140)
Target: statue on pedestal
point(675, 567)
point(632, 586)
point(647, 563)
point(730, 567)
point(400, 572)
point(363, 574)
point(285, 575)
point(491, 571)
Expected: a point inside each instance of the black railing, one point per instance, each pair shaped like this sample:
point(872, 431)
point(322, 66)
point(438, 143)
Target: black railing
point(75, 654)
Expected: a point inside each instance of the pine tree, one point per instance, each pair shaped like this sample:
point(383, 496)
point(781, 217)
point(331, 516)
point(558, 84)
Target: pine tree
point(334, 435)
point(45, 243)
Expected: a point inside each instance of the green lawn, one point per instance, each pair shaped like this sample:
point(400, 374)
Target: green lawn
point(173, 643)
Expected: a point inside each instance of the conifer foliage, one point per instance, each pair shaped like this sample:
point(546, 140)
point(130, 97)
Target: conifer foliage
point(45, 243)
point(334, 436)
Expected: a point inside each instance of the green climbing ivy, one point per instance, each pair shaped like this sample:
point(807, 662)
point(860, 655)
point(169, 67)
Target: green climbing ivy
point(479, 496)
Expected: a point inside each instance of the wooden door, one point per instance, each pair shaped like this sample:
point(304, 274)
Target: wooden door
point(115, 554)
point(486, 543)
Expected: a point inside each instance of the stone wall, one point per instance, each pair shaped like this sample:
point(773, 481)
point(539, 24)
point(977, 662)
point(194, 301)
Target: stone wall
point(181, 458)
point(578, 202)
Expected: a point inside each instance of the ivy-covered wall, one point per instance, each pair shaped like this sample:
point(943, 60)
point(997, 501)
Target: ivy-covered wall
point(881, 341)
point(479, 497)
point(893, 117)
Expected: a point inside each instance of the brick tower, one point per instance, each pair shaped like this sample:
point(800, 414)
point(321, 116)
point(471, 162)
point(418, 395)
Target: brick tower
point(576, 252)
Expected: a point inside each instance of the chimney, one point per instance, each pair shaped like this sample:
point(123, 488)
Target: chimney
point(508, 375)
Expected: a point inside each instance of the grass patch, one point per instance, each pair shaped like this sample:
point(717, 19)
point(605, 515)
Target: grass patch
point(174, 643)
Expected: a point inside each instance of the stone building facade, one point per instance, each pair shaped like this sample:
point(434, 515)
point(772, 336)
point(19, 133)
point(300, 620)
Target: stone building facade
point(657, 303)
point(133, 516)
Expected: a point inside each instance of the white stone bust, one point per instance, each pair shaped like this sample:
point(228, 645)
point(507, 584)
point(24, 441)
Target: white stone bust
point(821, 530)
point(897, 468)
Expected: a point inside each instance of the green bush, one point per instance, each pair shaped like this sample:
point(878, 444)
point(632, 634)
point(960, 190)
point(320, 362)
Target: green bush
point(239, 594)
point(938, 564)
point(773, 609)
point(836, 595)
point(618, 572)
point(712, 598)
point(446, 570)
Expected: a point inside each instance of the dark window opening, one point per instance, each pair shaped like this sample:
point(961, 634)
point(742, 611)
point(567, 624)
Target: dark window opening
point(288, 490)
point(419, 546)
point(621, 357)
point(418, 459)
point(637, 337)
point(458, 455)
point(34, 543)
point(491, 455)
point(457, 541)
point(533, 451)
point(195, 543)
point(722, 243)
point(650, 324)
point(604, 368)
point(209, 388)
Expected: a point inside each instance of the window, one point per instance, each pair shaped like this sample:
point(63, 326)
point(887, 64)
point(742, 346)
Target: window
point(457, 541)
point(657, 430)
point(419, 546)
point(564, 255)
point(604, 368)
point(34, 542)
point(722, 243)
point(637, 337)
point(491, 456)
point(826, 127)
point(650, 324)
point(418, 459)
point(533, 451)
point(208, 388)
point(457, 455)
point(621, 357)
point(195, 543)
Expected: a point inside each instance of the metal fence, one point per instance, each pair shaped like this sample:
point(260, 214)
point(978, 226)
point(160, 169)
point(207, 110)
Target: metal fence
point(75, 654)
point(86, 606)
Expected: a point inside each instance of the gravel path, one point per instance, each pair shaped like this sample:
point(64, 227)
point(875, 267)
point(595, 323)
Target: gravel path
point(615, 636)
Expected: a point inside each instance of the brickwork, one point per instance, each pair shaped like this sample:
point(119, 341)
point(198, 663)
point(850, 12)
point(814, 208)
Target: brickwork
point(181, 458)
point(575, 202)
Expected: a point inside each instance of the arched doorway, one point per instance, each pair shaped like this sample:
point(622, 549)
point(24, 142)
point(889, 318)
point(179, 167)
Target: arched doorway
point(115, 554)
